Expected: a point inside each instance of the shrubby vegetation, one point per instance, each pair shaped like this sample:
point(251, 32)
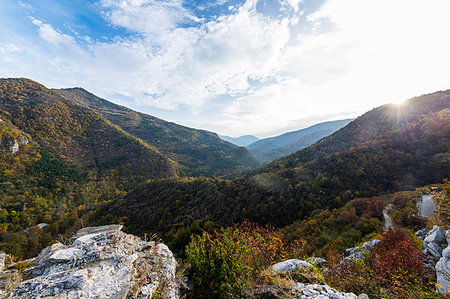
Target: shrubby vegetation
point(442, 206)
point(222, 265)
point(394, 269)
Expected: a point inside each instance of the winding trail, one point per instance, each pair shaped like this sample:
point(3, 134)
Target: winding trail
point(427, 206)
point(387, 220)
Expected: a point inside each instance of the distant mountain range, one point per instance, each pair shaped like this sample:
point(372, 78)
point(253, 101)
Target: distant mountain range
point(269, 149)
point(240, 141)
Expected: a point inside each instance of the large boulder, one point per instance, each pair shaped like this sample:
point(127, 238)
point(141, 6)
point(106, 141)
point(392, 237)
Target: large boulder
point(435, 235)
point(434, 241)
point(102, 262)
point(443, 271)
point(290, 265)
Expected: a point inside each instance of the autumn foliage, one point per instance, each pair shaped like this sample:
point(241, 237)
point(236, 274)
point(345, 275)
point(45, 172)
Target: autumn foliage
point(394, 269)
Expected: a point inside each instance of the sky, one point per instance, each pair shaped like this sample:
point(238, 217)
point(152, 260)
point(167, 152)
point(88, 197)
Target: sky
point(260, 67)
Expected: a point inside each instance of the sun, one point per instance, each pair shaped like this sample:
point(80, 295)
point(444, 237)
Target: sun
point(399, 102)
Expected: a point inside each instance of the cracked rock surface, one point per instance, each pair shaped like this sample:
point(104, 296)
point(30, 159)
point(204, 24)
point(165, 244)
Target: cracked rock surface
point(103, 262)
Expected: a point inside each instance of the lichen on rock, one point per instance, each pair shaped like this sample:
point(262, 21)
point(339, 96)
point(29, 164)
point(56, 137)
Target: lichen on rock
point(103, 262)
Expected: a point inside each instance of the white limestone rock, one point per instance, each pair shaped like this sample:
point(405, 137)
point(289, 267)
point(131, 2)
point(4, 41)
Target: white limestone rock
point(371, 244)
point(434, 250)
point(443, 271)
point(103, 262)
point(304, 290)
point(290, 265)
point(435, 235)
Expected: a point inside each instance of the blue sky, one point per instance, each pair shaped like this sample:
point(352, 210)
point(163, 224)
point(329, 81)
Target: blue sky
point(234, 67)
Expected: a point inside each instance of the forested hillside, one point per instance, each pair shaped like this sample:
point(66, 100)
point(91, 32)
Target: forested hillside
point(79, 137)
point(200, 152)
point(58, 161)
point(388, 149)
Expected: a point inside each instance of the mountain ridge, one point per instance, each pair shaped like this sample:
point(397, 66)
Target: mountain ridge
point(271, 148)
point(243, 140)
point(199, 151)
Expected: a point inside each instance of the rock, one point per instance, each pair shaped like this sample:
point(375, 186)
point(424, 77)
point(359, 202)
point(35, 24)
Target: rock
point(355, 253)
point(370, 244)
point(421, 233)
point(47, 252)
point(320, 291)
point(64, 255)
point(41, 225)
point(9, 145)
point(447, 236)
point(434, 250)
point(363, 296)
point(435, 235)
point(22, 140)
point(443, 272)
point(103, 262)
point(290, 265)
point(3, 257)
point(99, 229)
point(299, 290)
point(9, 280)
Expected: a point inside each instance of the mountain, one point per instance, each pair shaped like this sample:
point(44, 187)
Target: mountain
point(79, 137)
point(199, 152)
point(391, 148)
point(65, 152)
point(240, 141)
point(58, 162)
point(269, 149)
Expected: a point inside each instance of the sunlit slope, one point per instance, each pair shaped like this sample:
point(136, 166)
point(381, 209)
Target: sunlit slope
point(80, 137)
point(386, 149)
point(200, 152)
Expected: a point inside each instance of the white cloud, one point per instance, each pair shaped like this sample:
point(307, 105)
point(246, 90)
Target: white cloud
point(350, 56)
point(147, 16)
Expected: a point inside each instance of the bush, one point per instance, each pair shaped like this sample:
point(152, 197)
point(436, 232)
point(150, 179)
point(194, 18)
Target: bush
point(394, 269)
point(218, 264)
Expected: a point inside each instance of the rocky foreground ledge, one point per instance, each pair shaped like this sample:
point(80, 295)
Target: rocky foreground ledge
point(102, 262)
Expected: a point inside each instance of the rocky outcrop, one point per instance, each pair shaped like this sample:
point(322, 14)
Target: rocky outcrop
point(290, 265)
point(434, 241)
point(359, 252)
point(102, 262)
point(10, 146)
point(300, 291)
point(437, 251)
point(443, 272)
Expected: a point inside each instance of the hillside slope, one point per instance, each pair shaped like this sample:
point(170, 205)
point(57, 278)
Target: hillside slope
point(200, 152)
point(388, 149)
point(269, 149)
point(58, 162)
point(78, 136)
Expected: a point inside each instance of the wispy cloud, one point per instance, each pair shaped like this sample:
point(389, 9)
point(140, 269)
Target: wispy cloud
point(260, 72)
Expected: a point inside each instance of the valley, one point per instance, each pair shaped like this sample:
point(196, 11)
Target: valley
point(71, 159)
